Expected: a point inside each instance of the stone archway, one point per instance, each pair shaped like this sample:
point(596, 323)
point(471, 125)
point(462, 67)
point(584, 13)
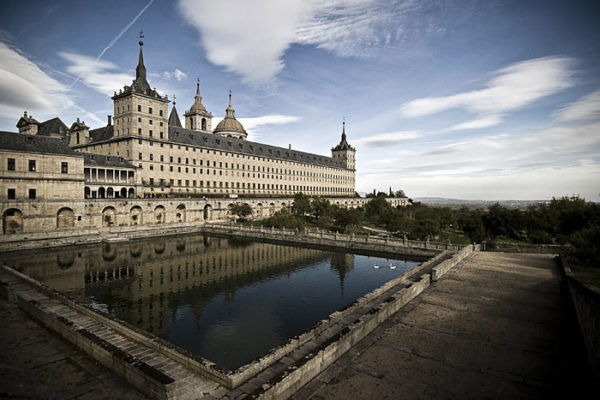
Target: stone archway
point(65, 218)
point(136, 216)
point(110, 193)
point(12, 221)
point(87, 192)
point(109, 216)
point(271, 209)
point(180, 215)
point(160, 214)
point(123, 192)
point(131, 193)
point(259, 210)
point(101, 193)
point(207, 212)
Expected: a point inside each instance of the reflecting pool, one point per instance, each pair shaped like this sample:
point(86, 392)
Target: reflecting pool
point(227, 300)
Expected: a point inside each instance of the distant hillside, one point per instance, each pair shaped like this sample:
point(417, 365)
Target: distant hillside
point(457, 203)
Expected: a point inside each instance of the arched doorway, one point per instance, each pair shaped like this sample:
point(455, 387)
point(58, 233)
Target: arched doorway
point(136, 216)
point(259, 210)
point(109, 216)
point(180, 213)
point(12, 221)
point(207, 212)
point(101, 193)
point(123, 192)
point(160, 214)
point(65, 218)
point(110, 193)
point(87, 192)
point(271, 209)
point(131, 193)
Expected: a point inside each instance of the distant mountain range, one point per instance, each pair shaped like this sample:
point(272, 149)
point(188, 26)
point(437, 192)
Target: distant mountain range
point(457, 203)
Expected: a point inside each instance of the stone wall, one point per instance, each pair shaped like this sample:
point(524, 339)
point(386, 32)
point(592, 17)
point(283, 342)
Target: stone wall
point(586, 301)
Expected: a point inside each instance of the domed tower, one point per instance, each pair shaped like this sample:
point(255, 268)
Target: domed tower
point(197, 118)
point(230, 126)
point(343, 153)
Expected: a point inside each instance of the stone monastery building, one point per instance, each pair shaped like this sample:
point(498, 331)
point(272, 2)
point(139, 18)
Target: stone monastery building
point(146, 152)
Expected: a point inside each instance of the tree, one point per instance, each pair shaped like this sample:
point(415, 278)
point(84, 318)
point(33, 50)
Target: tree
point(301, 204)
point(241, 210)
point(400, 193)
point(321, 207)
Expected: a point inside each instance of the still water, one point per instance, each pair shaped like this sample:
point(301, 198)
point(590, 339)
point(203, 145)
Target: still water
point(227, 300)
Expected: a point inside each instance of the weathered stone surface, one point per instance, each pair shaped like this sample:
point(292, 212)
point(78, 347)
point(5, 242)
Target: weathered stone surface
point(496, 327)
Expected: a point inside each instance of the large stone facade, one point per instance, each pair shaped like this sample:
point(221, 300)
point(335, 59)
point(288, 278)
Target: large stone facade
point(50, 175)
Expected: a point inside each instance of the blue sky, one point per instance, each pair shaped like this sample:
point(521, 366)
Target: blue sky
point(459, 98)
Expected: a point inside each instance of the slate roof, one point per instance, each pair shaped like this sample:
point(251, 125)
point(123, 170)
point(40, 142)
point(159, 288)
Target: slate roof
point(101, 134)
point(35, 144)
point(196, 138)
point(52, 126)
point(174, 118)
point(101, 160)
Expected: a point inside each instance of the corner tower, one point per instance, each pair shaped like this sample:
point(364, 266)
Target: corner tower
point(139, 110)
point(343, 153)
point(197, 118)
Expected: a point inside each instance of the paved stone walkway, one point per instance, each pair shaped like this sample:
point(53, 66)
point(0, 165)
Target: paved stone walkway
point(496, 327)
point(35, 364)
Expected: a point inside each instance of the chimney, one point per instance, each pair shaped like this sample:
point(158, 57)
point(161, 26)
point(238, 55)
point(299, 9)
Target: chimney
point(109, 120)
point(289, 146)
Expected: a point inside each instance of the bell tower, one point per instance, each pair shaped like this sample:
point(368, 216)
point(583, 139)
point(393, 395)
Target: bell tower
point(197, 118)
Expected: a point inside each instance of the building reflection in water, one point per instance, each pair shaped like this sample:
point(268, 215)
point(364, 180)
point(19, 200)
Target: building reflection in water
point(154, 284)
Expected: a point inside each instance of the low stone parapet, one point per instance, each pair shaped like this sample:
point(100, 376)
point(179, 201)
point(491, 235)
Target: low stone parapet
point(586, 301)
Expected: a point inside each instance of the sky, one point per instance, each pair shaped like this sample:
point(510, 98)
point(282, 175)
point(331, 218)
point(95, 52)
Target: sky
point(468, 99)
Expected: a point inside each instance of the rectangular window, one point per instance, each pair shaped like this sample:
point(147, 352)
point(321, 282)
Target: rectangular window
point(162, 167)
point(161, 134)
point(151, 181)
point(64, 167)
point(139, 156)
point(139, 107)
point(187, 183)
point(171, 168)
point(32, 194)
point(32, 165)
point(12, 194)
point(11, 164)
point(139, 119)
point(150, 132)
point(140, 131)
point(178, 182)
point(170, 158)
point(151, 157)
point(162, 158)
point(160, 112)
point(171, 182)
point(150, 122)
point(149, 110)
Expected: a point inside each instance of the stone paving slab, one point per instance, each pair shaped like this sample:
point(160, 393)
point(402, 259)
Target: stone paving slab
point(496, 327)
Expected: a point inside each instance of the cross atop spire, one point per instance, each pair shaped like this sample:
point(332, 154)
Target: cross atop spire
point(174, 97)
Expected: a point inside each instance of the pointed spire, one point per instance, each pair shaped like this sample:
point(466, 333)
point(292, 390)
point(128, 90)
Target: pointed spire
point(229, 111)
point(197, 107)
point(140, 70)
point(197, 86)
point(344, 130)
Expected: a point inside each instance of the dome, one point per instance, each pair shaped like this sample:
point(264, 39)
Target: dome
point(230, 126)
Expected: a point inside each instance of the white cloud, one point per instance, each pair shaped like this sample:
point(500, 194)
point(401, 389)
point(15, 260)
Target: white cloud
point(247, 37)
point(484, 122)
point(100, 75)
point(514, 87)
point(586, 108)
point(555, 161)
point(253, 124)
point(250, 37)
point(386, 139)
point(24, 86)
point(177, 75)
